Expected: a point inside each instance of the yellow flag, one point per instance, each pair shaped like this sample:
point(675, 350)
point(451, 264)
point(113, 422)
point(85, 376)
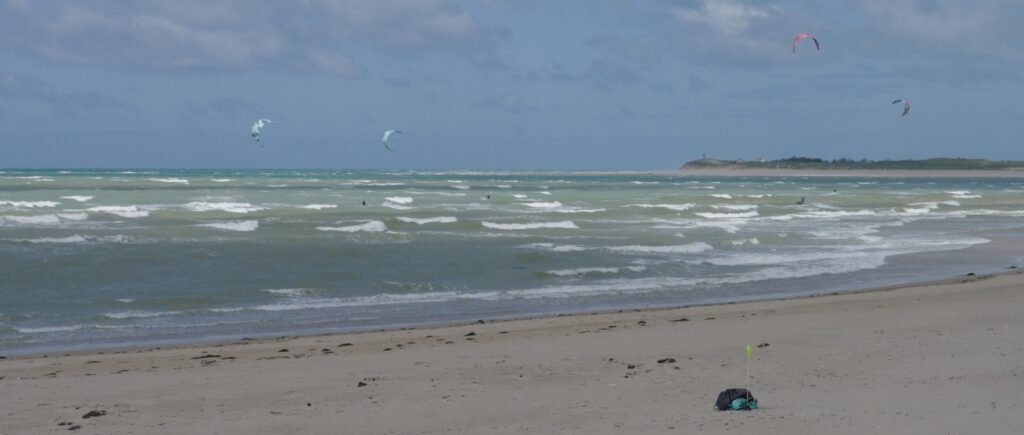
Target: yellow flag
point(749, 350)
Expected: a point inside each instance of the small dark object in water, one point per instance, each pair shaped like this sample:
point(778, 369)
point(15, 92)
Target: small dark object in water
point(763, 345)
point(344, 344)
point(1011, 267)
point(65, 423)
point(681, 319)
point(282, 351)
point(95, 413)
point(75, 427)
point(470, 334)
point(480, 322)
point(736, 399)
point(801, 201)
point(309, 404)
point(488, 196)
point(206, 356)
point(364, 203)
point(631, 366)
point(361, 384)
point(666, 361)
point(970, 274)
point(642, 322)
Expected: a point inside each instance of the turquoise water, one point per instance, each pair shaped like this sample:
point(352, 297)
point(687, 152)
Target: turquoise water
point(95, 258)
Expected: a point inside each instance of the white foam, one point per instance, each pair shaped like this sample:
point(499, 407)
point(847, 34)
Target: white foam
point(399, 199)
point(292, 292)
point(46, 219)
point(915, 211)
point(169, 180)
point(741, 242)
point(691, 248)
point(531, 226)
point(221, 180)
point(434, 220)
point(459, 186)
point(370, 227)
point(555, 248)
point(741, 215)
point(735, 207)
point(544, 192)
point(125, 300)
point(389, 204)
point(318, 206)
point(230, 207)
point(244, 226)
point(676, 207)
point(721, 195)
point(553, 204)
point(128, 211)
point(30, 204)
point(139, 314)
point(79, 198)
point(519, 196)
point(76, 238)
point(592, 270)
point(45, 329)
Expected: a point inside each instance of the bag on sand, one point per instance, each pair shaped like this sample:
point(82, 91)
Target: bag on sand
point(735, 399)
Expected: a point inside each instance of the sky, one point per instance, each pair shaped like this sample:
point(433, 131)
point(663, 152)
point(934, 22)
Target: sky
point(504, 84)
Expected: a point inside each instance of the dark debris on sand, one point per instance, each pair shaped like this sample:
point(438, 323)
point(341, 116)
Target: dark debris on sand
point(94, 413)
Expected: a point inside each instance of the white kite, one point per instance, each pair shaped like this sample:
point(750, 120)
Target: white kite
point(387, 134)
point(257, 127)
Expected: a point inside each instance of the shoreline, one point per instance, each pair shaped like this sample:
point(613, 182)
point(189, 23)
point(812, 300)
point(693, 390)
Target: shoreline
point(847, 363)
point(279, 337)
point(869, 173)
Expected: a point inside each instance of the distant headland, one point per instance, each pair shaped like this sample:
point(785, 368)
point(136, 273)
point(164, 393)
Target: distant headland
point(848, 167)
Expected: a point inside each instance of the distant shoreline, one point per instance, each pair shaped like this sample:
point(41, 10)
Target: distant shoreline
point(893, 173)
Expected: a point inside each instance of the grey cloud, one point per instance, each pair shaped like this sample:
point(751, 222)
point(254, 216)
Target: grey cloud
point(310, 35)
point(602, 73)
point(633, 50)
point(698, 84)
point(224, 107)
point(983, 27)
point(14, 86)
point(410, 77)
point(507, 102)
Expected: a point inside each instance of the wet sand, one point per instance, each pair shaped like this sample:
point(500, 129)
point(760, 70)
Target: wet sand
point(943, 357)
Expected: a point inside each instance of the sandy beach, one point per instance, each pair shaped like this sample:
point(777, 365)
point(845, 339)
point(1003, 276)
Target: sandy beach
point(944, 357)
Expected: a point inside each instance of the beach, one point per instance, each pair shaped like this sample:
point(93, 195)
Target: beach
point(941, 357)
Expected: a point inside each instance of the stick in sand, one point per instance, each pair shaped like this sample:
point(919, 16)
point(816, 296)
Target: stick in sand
point(749, 350)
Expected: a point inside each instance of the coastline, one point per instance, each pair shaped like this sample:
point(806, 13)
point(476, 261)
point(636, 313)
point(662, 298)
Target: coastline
point(843, 360)
point(880, 173)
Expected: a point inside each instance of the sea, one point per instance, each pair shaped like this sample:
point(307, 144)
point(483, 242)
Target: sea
point(109, 258)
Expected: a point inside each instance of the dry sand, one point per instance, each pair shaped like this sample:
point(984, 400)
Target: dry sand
point(939, 358)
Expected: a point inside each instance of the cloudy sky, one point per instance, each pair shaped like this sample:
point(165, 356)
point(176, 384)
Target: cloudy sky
point(513, 84)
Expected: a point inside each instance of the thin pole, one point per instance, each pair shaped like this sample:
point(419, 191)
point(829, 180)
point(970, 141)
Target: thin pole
point(748, 372)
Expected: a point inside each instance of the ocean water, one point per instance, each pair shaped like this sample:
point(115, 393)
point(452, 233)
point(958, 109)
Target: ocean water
point(100, 258)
